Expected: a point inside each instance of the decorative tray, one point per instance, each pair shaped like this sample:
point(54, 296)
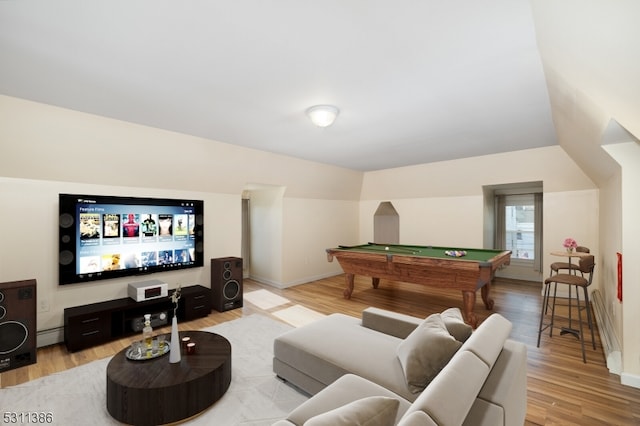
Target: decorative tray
point(139, 354)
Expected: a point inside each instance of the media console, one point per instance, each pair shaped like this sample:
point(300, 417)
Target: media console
point(98, 323)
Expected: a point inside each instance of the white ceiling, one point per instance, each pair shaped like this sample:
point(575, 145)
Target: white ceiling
point(416, 81)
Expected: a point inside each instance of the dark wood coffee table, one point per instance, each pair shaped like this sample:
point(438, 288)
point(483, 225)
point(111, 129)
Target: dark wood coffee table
point(155, 392)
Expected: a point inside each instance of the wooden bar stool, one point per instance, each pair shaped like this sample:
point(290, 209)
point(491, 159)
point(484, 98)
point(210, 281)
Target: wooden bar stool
point(582, 280)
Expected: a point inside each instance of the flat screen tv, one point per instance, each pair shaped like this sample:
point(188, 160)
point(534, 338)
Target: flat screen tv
point(105, 237)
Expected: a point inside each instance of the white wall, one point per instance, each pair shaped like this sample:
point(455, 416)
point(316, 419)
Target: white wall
point(439, 221)
point(266, 224)
point(628, 155)
point(573, 214)
point(611, 243)
point(296, 232)
point(312, 227)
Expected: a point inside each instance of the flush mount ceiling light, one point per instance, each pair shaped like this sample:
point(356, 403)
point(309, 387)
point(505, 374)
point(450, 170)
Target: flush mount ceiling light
point(323, 115)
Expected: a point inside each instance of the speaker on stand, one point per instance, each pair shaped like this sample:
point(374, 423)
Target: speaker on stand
point(17, 324)
point(226, 283)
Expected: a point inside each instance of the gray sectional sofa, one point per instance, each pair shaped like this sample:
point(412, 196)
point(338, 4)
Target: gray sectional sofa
point(389, 368)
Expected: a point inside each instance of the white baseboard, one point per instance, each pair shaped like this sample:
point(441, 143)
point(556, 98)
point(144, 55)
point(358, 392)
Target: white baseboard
point(632, 380)
point(282, 285)
point(49, 337)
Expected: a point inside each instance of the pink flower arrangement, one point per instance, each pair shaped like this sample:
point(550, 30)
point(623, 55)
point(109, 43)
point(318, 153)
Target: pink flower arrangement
point(570, 243)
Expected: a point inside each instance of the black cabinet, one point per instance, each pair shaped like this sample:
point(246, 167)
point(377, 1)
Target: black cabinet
point(196, 305)
point(98, 323)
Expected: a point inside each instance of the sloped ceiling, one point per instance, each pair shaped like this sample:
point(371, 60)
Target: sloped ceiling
point(416, 81)
point(591, 55)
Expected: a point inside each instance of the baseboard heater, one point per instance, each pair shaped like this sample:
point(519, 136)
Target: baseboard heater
point(608, 337)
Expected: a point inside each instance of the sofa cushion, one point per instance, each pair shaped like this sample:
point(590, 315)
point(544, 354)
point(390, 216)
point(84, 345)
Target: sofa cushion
point(388, 322)
point(455, 324)
point(417, 418)
point(488, 339)
point(370, 411)
point(485, 413)
point(346, 389)
point(338, 344)
point(450, 396)
point(504, 393)
point(425, 352)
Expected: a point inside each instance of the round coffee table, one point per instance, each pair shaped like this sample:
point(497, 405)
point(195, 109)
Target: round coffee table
point(155, 392)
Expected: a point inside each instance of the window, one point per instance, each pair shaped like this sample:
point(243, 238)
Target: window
point(519, 214)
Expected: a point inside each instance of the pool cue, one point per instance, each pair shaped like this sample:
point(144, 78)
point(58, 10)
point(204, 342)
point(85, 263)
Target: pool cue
point(396, 248)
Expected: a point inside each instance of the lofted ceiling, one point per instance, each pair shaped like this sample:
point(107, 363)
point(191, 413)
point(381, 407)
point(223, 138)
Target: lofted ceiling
point(416, 81)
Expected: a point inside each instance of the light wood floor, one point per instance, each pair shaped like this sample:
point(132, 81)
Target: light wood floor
point(562, 390)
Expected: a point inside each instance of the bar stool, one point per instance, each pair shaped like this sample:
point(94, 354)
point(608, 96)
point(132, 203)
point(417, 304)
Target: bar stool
point(583, 280)
point(571, 267)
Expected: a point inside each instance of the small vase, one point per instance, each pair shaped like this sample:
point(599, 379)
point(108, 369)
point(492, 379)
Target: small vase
point(174, 353)
point(569, 250)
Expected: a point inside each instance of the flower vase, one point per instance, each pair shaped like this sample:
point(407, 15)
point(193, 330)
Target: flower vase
point(569, 250)
point(174, 353)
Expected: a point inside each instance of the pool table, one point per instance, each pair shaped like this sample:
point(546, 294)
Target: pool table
point(445, 267)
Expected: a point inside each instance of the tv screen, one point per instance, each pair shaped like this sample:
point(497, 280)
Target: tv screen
point(105, 237)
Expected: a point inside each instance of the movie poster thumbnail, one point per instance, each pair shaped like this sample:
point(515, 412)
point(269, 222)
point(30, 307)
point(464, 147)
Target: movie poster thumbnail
point(111, 225)
point(165, 227)
point(131, 225)
point(89, 226)
point(182, 256)
point(165, 257)
point(192, 225)
point(181, 226)
point(89, 264)
point(149, 226)
point(111, 262)
point(131, 261)
point(149, 258)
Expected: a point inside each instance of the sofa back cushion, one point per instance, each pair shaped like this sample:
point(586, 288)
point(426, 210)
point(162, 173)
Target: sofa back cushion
point(370, 411)
point(488, 339)
point(425, 352)
point(417, 418)
point(388, 322)
point(449, 397)
point(503, 397)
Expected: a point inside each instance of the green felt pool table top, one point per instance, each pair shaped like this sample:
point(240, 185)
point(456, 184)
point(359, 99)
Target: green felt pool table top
point(480, 255)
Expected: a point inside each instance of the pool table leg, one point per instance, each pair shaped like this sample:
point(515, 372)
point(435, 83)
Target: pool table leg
point(468, 303)
point(485, 291)
point(349, 289)
point(349, 280)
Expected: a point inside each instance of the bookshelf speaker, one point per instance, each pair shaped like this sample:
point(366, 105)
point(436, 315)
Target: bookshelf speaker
point(17, 324)
point(226, 283)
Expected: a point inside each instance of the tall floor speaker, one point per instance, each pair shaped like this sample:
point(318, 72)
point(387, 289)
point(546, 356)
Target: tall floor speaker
point(17, 324)
point(226, 283)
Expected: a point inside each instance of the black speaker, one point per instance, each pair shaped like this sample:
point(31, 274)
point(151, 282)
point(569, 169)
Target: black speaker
point(17, 324)
point(67, 239)
point(226, 283)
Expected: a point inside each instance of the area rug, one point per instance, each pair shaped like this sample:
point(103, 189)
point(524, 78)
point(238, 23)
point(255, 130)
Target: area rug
point(255, 397)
